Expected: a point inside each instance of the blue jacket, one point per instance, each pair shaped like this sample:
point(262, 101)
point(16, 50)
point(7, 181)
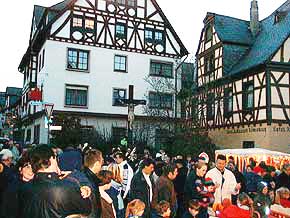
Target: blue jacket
point(70, 160)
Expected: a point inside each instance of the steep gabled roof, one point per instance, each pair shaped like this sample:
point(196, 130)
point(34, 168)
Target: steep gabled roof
point(232, 30)
point(272, 35)
point(38, 13)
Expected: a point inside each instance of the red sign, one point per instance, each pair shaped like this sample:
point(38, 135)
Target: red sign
point(35, 95)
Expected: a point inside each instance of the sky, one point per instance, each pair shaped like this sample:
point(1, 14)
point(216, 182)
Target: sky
point(186, 17)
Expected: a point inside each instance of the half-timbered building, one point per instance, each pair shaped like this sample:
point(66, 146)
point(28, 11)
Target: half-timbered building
point(83, 55)
point(243, 76)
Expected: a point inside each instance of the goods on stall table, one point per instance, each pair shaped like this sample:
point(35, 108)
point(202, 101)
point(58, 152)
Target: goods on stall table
point(277, 211)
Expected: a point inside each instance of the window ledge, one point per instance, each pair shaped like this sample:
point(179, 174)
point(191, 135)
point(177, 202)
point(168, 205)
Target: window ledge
point(155, 75)
point(77, 70)
point(120, 71)
point(75, 106)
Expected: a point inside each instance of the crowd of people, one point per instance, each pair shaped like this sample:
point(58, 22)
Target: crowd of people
point(47, 182)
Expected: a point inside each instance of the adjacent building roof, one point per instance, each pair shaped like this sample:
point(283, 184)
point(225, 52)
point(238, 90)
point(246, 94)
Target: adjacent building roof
point(243, 51)
point(13, 91)
point(2, 99)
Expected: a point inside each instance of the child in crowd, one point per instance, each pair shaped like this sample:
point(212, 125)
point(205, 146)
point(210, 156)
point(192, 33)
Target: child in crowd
point(192, 210)
point(282, 197)
point(135, 209)
point(162, 210)
point(243, 209)
point(262, 201)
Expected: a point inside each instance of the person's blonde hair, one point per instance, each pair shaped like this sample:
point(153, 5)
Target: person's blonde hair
point(134, 207)
point(114, 168)
point(279, 192)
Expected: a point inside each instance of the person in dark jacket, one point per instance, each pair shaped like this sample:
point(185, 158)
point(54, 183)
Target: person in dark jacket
point(7, 173)
point(93, 161)
point(164, 188)
point(193, 184)
point(252, 180)
point(239, 178)
point(70, 159)
point(192, 209)
point(142, 185)
point(10, 207)
point(179, 183)
point(43, 198)
point(283, 180)
point(262, 201)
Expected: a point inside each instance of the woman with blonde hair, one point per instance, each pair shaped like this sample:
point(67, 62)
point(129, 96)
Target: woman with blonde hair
point(116, 190)
point(135, 209)
point(282, 196)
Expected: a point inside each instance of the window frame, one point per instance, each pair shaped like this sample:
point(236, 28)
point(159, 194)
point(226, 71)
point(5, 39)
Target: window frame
point(126, 3)
point(113, 99)
point(153, 40)
point(209, 64)
point(227, 97)
point(126, 63)
point(160, 106)
point(77, 59)
point(79, 88)
point(210, 103)
point(123, 36)
point(208, 33)
point(162, 64)
point(245, 97)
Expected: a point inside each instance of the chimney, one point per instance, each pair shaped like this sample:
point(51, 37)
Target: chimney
point(254, 22)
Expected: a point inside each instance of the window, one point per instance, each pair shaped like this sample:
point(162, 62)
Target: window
point(161, 69)
point(209, 64)
point(83, 25)
point(78, 59)
point(36, 134)
point(248, 144)
point(154, 36)
point(210, 107)
point(248, 96)
point(118, 133)
point(208, 33)
point(120, 30)
point(119, 94)
point(78, 22)
point(127, 3)
point(148, 35)
point(159, 36)
point(228, 102)
point(160, 100)
point(89, 24)
point(120, 63)
point(76, 96)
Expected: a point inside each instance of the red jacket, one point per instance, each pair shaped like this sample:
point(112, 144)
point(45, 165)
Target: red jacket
point(285, 203)
point(234, 211)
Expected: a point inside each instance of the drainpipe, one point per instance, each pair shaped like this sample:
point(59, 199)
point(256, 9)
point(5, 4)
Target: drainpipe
point(175, 85)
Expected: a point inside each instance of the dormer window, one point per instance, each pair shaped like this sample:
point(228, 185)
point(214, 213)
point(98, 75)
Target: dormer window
point(208, 33)
point(279, 16)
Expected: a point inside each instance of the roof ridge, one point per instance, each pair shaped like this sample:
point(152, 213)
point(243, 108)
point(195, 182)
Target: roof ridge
point(286, 3)
point(231, 17)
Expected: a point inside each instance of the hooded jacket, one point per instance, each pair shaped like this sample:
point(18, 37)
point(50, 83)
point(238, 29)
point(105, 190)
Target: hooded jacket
point(262, 202)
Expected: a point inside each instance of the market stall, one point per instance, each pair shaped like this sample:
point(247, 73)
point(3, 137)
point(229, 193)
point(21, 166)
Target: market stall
point(242, 156)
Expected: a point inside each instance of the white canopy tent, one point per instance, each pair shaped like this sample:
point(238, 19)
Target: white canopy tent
point(242, 156)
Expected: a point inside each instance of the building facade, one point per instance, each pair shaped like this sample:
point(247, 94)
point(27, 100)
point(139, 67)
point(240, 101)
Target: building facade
point(83, 55)
point(243, 80)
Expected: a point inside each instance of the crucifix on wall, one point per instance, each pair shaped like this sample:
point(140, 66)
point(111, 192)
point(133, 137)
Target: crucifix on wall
point(131, 103)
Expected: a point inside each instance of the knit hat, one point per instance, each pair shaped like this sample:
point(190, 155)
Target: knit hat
point(5, 154)
point(208, 181)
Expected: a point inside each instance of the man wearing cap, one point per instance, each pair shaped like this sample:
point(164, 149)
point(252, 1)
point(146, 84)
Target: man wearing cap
point(7, 175)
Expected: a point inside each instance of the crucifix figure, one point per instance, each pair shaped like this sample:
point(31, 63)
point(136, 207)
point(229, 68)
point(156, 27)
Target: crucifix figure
point(131, 103)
